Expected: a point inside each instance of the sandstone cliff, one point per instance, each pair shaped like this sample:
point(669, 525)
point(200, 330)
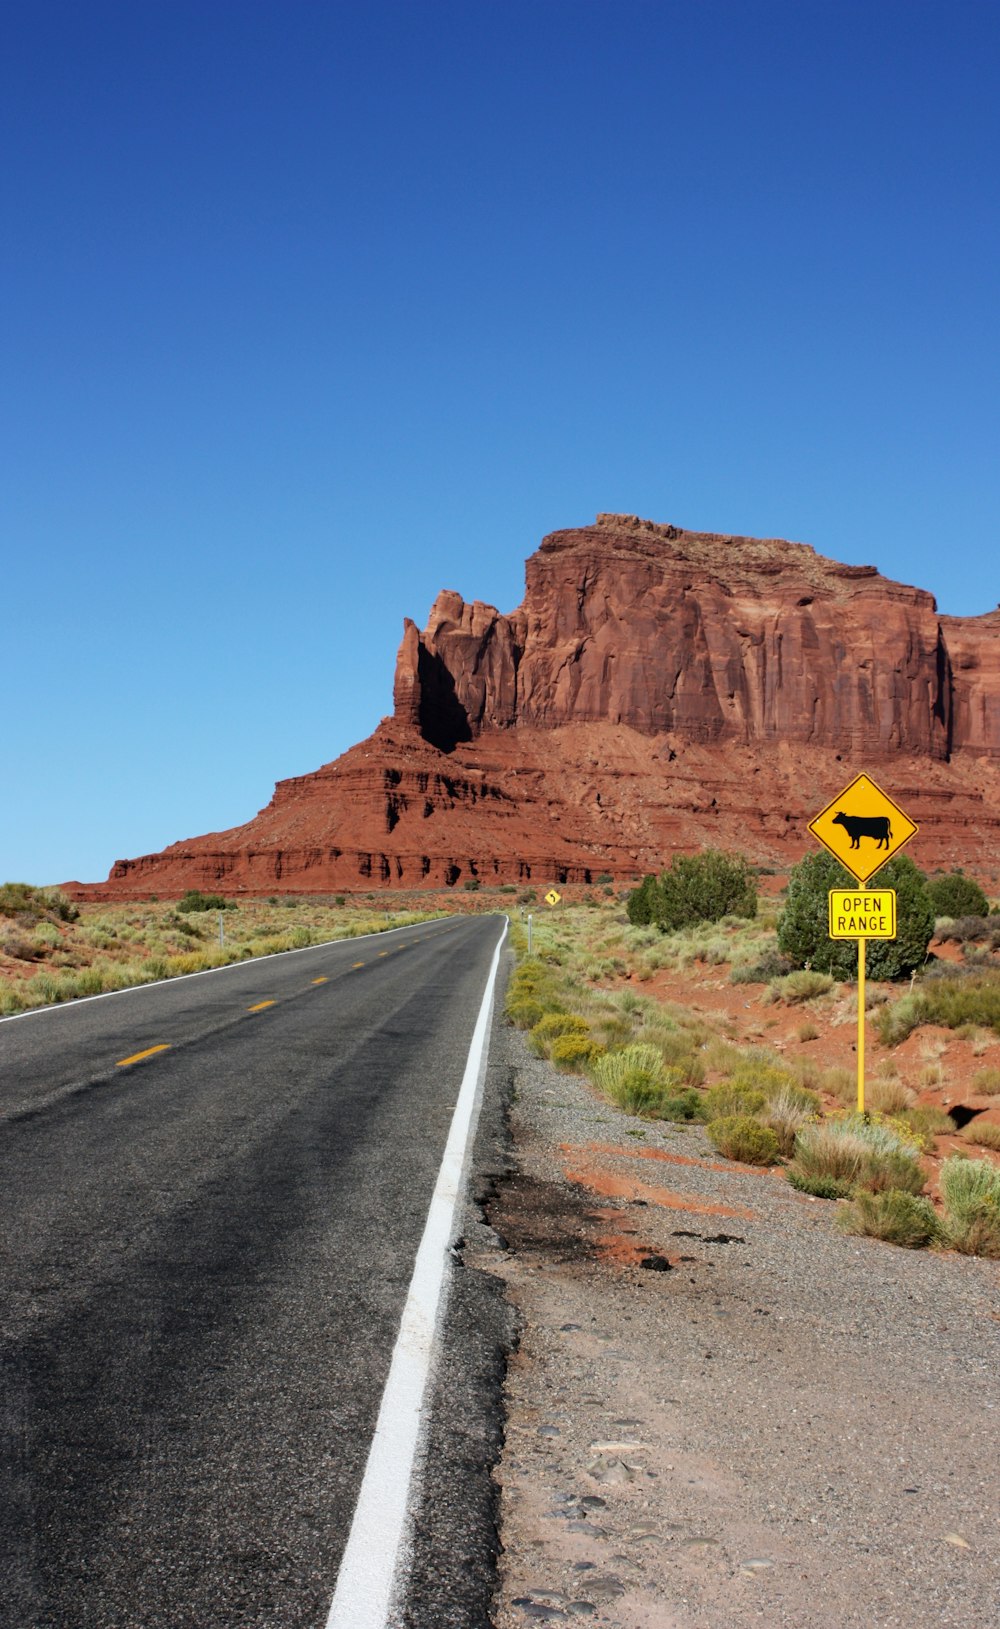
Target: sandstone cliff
point(657, 689)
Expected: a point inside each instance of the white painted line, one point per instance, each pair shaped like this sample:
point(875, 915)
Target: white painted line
point(227, 967)
point(376, 1559)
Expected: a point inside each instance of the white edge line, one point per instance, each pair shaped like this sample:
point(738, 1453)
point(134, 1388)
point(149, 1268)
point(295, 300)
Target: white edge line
point(227, 967)
point(375, 1561)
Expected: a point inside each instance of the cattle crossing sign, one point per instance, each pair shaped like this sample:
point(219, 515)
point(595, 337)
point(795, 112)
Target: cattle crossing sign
point(862, 828)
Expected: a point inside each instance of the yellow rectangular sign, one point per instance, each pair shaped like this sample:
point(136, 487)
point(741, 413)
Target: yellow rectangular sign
point(862, 913)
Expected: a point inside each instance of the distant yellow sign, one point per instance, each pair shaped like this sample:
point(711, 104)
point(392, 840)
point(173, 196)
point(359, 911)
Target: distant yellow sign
point(862, 828)
point(862, 913)
point(552, 898)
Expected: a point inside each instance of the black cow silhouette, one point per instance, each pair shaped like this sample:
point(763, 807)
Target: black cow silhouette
point(858, 826)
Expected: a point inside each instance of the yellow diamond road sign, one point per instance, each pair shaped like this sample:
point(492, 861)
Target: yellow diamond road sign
point(862, 828)
point(552, 898)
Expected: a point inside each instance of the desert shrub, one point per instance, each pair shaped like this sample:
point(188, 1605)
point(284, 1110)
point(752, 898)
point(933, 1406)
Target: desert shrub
point(634, 1078)
point(760, 1075)
point(195, 900)
point(925, 1122)
point(971, 1193)
point(804, 923)
point(801, 986)
point(787, 1112)
point(957, 895)
point(741, 1137)
point(898, 1019)
point(984, 1132)
point(11, 1000)
point(883, 1095)
point(894, 1215)
point(530, 976)
point(965, 930)
point(730, 1097)
point(841, 1083)
point(695, 888)
point(551, 1027)
point(771, 965)
point(21, 899)
point(573, 1051)
point(686, 1104)
point(807, 1032)
point(833, 1157)
point(524, 1011)
point(953, 1002)
point(676, 1050)
point(987, 1082)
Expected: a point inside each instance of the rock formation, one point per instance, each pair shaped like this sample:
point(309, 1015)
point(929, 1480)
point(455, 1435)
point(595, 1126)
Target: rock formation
point(657, 689)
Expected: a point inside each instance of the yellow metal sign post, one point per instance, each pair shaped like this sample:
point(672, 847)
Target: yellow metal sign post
point(862, 915)
point(862, 828)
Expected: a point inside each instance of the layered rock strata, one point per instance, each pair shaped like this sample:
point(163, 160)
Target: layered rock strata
point(657, 689)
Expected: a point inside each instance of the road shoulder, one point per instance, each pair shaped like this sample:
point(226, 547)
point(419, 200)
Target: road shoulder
point(767, 1422)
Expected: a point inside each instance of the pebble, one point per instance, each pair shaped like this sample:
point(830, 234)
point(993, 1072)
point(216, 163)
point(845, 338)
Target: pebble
point(606, 1587)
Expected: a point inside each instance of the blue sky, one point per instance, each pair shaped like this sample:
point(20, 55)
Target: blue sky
point(310, 310)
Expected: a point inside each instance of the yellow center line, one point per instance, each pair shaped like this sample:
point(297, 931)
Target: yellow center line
point(260, 1006)
point(164, 1046)
point(359, 964)
point(321, 980)
point(383, 953)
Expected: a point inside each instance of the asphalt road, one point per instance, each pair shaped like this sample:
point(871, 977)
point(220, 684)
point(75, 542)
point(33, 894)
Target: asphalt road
point(203, 1261)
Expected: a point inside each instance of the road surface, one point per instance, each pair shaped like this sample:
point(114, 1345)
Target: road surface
point(213, 1192)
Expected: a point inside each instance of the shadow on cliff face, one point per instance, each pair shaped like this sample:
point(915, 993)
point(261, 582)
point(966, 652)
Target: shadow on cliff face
point(443, 720)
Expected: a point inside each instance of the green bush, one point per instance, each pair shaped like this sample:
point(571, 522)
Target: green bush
point(957, 895)
point(971, 1193)
point(696, 888)
point(952, 1002)
point(803, 927)
point(835, 1156)
point(195, 900)
point(644, 903)
point(634, 1078)
point(682, 1106)
point(756, 1075)
point(801, 986)
point(731, 1097)
point(896, 1216)
point(740, 1137)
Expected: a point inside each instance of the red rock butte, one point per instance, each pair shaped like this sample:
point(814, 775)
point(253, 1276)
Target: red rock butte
point(657, 690)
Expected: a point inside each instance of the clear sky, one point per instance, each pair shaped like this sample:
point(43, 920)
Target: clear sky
point(312, 309)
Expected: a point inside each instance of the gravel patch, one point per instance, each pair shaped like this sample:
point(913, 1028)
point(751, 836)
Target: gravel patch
point(722, 1412)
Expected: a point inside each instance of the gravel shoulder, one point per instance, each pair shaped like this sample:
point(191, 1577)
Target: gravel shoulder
point(768, 1423)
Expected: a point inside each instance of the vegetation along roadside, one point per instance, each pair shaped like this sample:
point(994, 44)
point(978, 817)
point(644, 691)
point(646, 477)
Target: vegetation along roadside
point(696, 1000)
